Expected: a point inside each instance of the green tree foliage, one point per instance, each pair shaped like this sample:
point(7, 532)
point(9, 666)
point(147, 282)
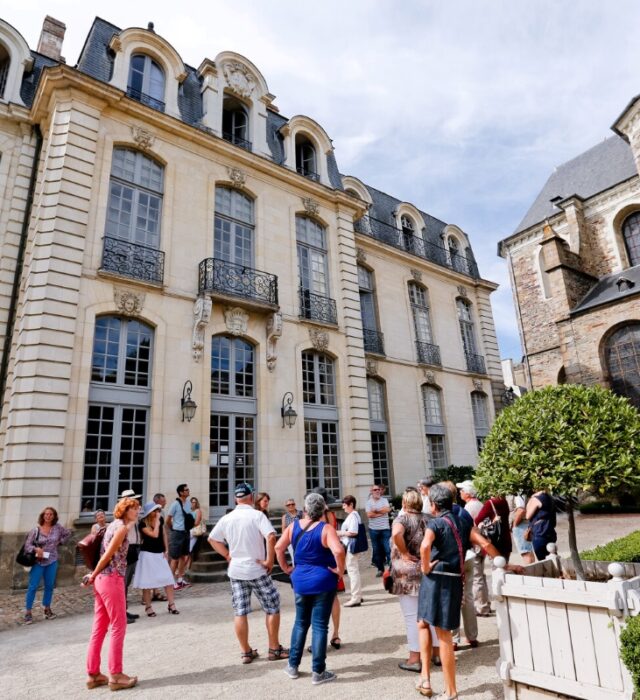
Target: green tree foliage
point(630, 649)
point(564, 439)
point(624, 549)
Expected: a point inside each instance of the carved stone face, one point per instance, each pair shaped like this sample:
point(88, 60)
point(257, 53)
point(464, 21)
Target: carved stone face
point(129, 303)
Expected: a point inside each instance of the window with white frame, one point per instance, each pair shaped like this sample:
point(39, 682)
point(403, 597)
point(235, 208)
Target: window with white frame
point(5, 63)
point(418, 296)
point(379, 432)
point(480, 410)
point(233, 227)
point(434, 427)
point(235, 122)
point(146, 81)
point(306, 163)
point(467, 330)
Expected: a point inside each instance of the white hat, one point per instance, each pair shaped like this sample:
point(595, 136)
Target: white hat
point(130, 493)
point(468, 487)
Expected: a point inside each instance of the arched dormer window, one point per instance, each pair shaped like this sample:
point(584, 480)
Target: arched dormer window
point(15, 61)
point(631, 235)
point(455, 257)
point(306, 158)
point(235, 122)
point(408, 233)
point(146, 81)
point(356, 189)
point(5, 63)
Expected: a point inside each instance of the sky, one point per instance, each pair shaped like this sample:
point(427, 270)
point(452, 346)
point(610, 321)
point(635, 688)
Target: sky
point(462, 108)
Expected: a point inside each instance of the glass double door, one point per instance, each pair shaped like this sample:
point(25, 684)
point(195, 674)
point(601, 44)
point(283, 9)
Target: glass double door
point(232, 458)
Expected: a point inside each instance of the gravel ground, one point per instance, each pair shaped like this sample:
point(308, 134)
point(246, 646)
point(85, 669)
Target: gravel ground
point(196, 653)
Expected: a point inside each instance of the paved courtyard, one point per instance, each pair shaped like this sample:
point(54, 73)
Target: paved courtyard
point(196, 654)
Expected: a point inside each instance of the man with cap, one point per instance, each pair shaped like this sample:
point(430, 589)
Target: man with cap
point(240, 538)
point(480, 589)
point(132, 554)
point(179, 533)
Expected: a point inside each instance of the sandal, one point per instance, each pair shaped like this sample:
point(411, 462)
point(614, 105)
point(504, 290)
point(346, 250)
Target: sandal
point(248, 656)
point(96, 680)
point(150, 611)
point(279, 653)
point(123, 682)
point(172, 609)
point(49, 614)
point(336, 642)
point(436, 661)
point(424, 687)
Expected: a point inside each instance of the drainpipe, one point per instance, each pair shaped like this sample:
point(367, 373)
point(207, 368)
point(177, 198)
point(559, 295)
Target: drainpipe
point(15, 291)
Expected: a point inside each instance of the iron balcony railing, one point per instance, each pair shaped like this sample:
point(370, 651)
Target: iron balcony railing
point(139, 262)
point(308, 173)
point(409, 242)
point(373, 341)
point(428, 353)
point(236, 140)
point(475, 363)
point(315, 307)
point(145, 99)
point(229, 279)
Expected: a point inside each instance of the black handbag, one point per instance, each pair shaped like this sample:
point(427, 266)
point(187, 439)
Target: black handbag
point(359, 543)
point(25, 558)
point(492, 528)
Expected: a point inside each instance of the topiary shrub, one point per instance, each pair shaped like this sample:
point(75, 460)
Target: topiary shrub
point(630, 649)
point(455, 473)
point(565, 439)
point(624, 549)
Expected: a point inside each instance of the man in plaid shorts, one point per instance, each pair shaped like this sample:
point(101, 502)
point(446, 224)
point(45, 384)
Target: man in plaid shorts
point(240, 538)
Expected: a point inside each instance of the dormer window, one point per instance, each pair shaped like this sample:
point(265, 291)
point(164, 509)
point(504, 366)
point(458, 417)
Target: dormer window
point(408, 232)
point(235, 123)
point(146, 81)
point(5, 62)
point(306, 158)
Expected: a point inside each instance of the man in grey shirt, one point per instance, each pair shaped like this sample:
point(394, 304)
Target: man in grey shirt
point(378, 513)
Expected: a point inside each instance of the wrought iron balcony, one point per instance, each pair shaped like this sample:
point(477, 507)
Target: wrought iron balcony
point(373, 341)
point(475, 363)
point(228, 279)
point(317, 308)
point(428, 353)
point(139, 262)
point(145, 99)
point(236, 140)
point(308, 173)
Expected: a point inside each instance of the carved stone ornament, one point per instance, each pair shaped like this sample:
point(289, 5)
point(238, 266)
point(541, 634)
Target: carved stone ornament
point(239, 78)
point(274, 332)
point(128, 302)
point(319, 339)
point(236, 320)
point(361, 256)
point(477, 385)
point(201, 316)
point(430, 376)
point(237, 176)
point(310, 206)
point(143, 137)
point(372, 368)
point(417, 275)
point(462, 291)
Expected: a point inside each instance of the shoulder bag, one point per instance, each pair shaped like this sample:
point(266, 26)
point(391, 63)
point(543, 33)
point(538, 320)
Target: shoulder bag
point(491, 528)
point(189, 520)
point(25, 558)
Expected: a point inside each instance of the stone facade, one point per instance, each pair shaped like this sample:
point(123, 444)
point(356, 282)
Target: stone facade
point(57, 390)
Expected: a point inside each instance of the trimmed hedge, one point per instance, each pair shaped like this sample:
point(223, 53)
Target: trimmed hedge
point(455, 473)
point(630, 649)
point(625, 549)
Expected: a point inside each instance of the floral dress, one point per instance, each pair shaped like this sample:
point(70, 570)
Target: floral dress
point(407, 574)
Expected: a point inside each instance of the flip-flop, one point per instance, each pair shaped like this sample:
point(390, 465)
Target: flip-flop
point(416, 668)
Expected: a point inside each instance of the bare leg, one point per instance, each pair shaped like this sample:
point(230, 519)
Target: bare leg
point(528, 557)
point(241, 626)
point(426, 648)
point(170, 597)
point(448, 661)
point(335, 617)
point(146, 597)
point(273, 630)
point(174, 565)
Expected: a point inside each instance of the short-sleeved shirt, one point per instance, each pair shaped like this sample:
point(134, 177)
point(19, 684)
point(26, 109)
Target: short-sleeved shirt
point(177, 522)
point(350, 524)
point(474, 506)
point(382, 521)
point(244, 530)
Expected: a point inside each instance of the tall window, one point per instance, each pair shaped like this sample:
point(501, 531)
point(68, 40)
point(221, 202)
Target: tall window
point(373, 341)
point(408, 232)
point(146, 81)
point(322, 459)
point(312, 268)
point(428, 352)
point(467, 331)
point(622, 360)
point(379, 431)
point(5, 62)
point(115, 455)
point(631, 235)
point(455, 258)
point(480, 417)
point(306, 158)
point(235, 122)
point(233, 227)
point(232, 446)
point(434, 427)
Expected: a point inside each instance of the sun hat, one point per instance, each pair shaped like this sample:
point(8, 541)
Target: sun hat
point(130, 493)
point(149, 508)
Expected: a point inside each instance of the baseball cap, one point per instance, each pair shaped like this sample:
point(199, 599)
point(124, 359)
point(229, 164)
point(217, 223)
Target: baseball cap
point(130, 493)
point(468, 487)
point(243, 490)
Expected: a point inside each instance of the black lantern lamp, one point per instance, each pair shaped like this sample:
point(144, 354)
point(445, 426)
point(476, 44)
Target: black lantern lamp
point(187, 404)
point(288, 414)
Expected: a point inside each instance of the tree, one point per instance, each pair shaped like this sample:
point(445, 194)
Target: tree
point(565, 439)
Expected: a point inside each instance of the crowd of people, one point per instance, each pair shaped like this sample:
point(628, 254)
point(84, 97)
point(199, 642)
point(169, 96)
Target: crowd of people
point(433, 555)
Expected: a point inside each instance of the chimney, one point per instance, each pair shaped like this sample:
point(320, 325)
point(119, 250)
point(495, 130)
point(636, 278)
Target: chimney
point(51, 39)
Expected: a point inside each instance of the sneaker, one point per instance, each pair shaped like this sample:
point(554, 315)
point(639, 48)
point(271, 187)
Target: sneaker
point(49, 614)
point(28, 619)
point(324, 677)
point(292, 672)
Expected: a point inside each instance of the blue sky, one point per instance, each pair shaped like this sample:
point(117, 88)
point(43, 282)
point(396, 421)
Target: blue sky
point(461, 107)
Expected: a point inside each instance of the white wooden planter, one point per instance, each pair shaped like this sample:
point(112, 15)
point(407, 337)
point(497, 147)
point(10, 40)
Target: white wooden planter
point(560, 638)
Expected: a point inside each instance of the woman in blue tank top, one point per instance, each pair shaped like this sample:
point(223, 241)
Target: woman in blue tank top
point(319, 561)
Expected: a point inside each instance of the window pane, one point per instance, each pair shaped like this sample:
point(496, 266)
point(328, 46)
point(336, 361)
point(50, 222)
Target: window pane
point(318, 384)
point(631, 235)
point(432, 405)
point(381, 473)
point(106, 342)
point(232, 367)
point(138, 354)
point(96, 479)
point(376, 400)
point(308, 378)
point(479, 406)
point(220, 365)
point(622, 359)
point(436, 450)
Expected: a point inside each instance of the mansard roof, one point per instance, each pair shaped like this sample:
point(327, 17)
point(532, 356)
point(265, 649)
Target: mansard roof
point(596, 170)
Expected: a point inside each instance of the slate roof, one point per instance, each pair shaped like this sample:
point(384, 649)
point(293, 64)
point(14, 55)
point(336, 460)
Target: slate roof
point(606, 290)
point(30, 80)
point(594, 171)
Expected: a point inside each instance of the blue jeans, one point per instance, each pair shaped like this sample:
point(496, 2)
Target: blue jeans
point(37, 574)
point(380, 547)
point(311, 611)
